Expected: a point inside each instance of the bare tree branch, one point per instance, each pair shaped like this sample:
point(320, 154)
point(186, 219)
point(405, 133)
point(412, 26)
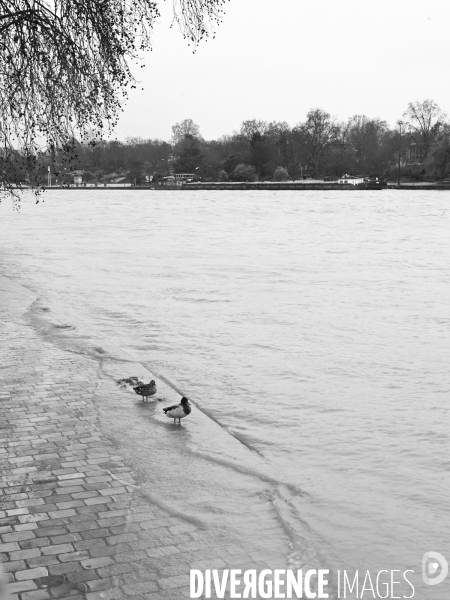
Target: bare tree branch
point(65, 74)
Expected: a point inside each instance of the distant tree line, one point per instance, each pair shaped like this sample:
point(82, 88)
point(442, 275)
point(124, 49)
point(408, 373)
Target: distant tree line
point(320, 146)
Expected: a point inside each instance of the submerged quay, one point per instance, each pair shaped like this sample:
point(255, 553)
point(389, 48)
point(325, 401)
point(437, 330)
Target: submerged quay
point(73, 525)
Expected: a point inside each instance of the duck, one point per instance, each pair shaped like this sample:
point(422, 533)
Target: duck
point(145, 390)
point(178, 411)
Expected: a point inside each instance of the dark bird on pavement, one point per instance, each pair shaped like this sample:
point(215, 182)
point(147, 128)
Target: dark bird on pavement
point(146, 390)
point(178, 411)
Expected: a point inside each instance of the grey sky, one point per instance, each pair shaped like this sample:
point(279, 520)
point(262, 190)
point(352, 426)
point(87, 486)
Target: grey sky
point(275, 60)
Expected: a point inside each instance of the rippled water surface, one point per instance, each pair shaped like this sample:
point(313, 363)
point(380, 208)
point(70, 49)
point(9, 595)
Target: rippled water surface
point(310, 330)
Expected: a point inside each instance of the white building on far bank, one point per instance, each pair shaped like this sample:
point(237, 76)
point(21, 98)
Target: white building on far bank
point(351, 179)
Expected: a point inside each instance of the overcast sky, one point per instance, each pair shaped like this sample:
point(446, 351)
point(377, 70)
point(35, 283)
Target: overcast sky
point(274, 60)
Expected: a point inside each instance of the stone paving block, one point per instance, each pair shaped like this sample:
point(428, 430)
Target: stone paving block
point(43, 508)
point(57, 500)
point(30, 502)
point(17, 496)
point(76, 555)
point(25, 527)
point(9, 547)
point(23, 554)
point(58, 549)
point(69, 504)
point(48, 531)
point(54, 522)
point(31, 573)
point(174, 582)
point(113, 491)
point(64, 589)
point(112, 521)
point(93, 510)
point(14, 565)
point(83, 526)
point(36, 595)
point(97, 500)
point(21, 586)
point(90, 544)
point(98, 479)
point(9, 521)
point(111, 594)
point(33, 518)
point(95, 533)
point(59, 514)
point(83, 495)
point(69, 477)
point(118, 504)
point(67, 567)
point(36, 543)
point(96, 563)
point(69, 490)
point(141, 572)
point(130, 556)
point(140, 588)
point(8, 577)
point(67, 538)
point(80, 518)
point(115, 570)
point(122, 529)
point(163, 596)
point(16, 511)
point(74, 482)
point(82, 576)
point(96, 486)
point(104, 551)
point(42, 561)
point(117, 539)
point(98, 585)
point(40, 493)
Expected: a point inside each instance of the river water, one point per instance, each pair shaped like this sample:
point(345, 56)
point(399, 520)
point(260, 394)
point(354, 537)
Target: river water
point(310, 331)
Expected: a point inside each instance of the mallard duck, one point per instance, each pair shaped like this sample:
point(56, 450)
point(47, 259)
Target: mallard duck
point(145, 390)
point(178, 411)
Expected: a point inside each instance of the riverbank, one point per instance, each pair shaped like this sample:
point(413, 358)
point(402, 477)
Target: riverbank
point(259, 185)
point(73, 523)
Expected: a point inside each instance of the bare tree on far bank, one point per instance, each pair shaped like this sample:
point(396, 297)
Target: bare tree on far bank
point(183, 128)
point(65, 72)
point(425, 122)
point(438, 158)
point(318, 133)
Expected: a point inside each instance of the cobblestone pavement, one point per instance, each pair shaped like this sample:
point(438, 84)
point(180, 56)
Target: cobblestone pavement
point(71, 523)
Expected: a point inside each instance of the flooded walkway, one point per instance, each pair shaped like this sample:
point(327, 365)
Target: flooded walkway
point(72, 524)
